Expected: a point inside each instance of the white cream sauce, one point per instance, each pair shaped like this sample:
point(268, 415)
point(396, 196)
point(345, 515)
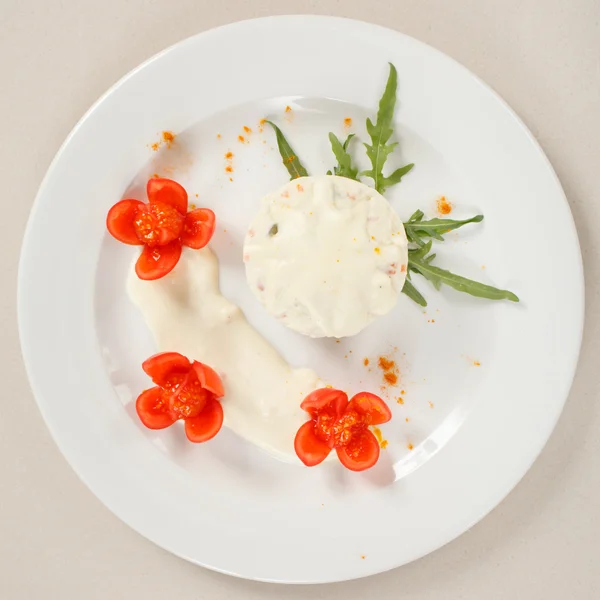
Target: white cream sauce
point(326, 255)
point(186, 313)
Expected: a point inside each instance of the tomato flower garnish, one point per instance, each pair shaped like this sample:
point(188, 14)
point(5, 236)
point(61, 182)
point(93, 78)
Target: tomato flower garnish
point(162, 226)
point(343, 425)
point(184, 390)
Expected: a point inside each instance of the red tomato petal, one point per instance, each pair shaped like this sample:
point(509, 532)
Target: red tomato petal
point(361, 453)
point(369, 404)
point(119, 221)
point(157, 261)
point(160, 366)
point(207, 424)
point(309, 448)
point(323, 397)
point(169, 192)
point(152, 410)
point(209, 379)
point(198, 228)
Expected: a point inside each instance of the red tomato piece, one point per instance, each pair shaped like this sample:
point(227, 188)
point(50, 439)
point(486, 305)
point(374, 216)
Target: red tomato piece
point(186, 396)
point(207, 424)
point(167, 191)
point(337, 423)
point(153, 410)
point(198, 228)
point(209, 379)
point(157, 261)
point(161, 365)
point(158, 224)
point(310, 449)
point(361, 453)
point(319, 399)
point(120, 221)
point(372, 407)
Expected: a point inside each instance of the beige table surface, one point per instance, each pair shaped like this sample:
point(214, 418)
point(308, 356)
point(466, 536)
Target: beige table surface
point(58, 541)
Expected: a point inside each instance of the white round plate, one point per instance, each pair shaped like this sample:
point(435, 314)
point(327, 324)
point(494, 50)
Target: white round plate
point(483, 383)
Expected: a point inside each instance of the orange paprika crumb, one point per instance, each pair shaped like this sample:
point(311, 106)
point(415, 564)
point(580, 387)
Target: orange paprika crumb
point(410, 446)
point(168, 138)
point(155, 146)
point(443, 206)
point(386, 364)
point(476, 363)
point(391, 378)
point(390, 370)
point(229, 169)
point(400, 400)
point(247, 129)
point(229, 155)
point(241, 138)
point(347, 122)
point(366, 362)
point(288, 109)
point(383, 443)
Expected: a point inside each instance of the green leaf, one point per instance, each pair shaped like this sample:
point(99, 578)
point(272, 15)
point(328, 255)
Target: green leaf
point(416, 228)
point(439, 276)
point(419, 253)
point(380, 132)
point(290, 161)
point(419, 259)
point(416, 216)
point(413, 293)
point(396, 176)
point(344, 167)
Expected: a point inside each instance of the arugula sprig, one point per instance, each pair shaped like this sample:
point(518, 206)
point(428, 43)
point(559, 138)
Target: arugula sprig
point(289, 158)
point(380, 132)
point(420, 261)
point(344, 168)
point(417, 229)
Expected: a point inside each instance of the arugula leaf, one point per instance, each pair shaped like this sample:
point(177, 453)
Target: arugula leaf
point(419, 261)
point(419, 253)
point(416, 228)
point(439, 276)
point(380, 133)
point(290, 161)
point(413, 293)
point(344, 167)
